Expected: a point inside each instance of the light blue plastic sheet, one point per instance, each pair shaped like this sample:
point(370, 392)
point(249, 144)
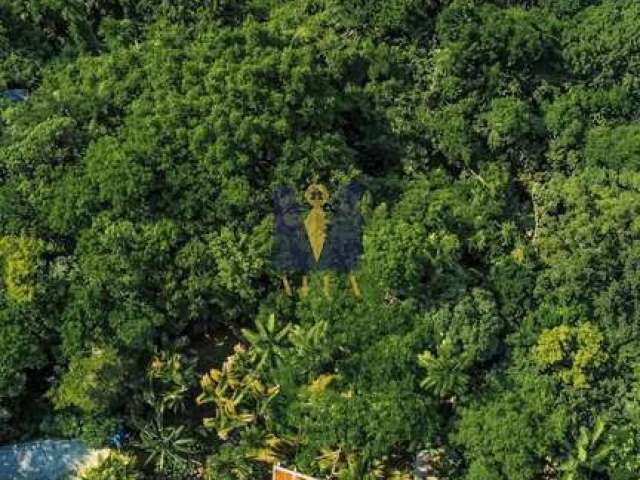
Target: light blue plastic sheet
point(41, 460)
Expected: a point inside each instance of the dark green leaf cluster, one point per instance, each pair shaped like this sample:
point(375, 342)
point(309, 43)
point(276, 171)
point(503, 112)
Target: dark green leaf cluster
point(499, 146)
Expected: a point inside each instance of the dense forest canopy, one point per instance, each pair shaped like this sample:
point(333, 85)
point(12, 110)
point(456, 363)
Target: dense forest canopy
point(499, 146)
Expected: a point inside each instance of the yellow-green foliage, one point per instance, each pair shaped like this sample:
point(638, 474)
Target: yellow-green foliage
point(19, 258)
point(236, 390)
point(571, 351)
point(92, 383)
point(116, 466)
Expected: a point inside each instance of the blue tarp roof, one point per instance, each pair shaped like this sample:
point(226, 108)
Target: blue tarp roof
point(41, 460)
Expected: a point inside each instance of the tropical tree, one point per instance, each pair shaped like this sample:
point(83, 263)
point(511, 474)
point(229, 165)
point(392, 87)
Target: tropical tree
point(445, 374)
point(589, 454)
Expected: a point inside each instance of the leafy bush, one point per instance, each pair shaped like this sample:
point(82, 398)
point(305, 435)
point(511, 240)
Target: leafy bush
point(93, 383)
point(116, 466)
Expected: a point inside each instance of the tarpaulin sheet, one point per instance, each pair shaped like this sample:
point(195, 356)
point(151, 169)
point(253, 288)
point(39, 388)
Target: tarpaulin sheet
point(42, 460)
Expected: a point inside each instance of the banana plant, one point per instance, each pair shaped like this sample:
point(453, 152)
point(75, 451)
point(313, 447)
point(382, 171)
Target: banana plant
point(267, 342)
point(265, 447)
point(590, 454)
point(383, 469)
point(308, 341)
point(331, 460)
point(170, 376)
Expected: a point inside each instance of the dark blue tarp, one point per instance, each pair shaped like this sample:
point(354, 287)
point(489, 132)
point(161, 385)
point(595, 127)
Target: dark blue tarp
point(16, 95)
point(343, 245)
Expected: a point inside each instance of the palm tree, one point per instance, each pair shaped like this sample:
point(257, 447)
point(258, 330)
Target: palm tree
point(445, 373)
